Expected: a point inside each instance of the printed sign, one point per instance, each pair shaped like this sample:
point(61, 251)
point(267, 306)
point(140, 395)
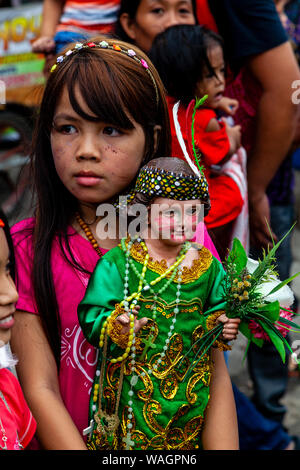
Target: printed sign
point(19, 67)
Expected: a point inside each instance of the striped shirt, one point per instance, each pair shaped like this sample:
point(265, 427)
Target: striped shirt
point(92, 16)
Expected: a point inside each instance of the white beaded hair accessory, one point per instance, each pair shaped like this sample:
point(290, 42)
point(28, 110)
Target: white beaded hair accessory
point(113, 47)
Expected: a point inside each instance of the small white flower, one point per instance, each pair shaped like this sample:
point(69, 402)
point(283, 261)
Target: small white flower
point(284, 295)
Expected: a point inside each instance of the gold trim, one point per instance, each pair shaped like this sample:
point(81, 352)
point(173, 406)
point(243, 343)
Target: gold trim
point(114, 328)
point(211, 322)
point(189, 274)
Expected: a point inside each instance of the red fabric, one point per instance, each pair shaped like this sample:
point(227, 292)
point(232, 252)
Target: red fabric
point(225, 196)
point(214, 146)
point(205, 16)
point(247, 90)
point(19, 419)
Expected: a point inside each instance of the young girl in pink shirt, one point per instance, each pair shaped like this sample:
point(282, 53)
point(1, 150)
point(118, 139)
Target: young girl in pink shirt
point(91, 139)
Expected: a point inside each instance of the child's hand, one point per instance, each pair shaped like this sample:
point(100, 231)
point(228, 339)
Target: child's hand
point(44, 44)
point(125, 321)
point(230, 328)
point(228, 105)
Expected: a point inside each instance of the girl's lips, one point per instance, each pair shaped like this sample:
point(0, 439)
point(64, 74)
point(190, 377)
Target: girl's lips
point(86, 180)
point(7, 322)
point(218, 96)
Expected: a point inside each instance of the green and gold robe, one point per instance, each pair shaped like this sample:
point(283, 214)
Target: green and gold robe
point(168, 404)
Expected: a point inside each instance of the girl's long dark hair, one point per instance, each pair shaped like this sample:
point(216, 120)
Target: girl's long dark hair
point(9, 242)
point(115, 88)
point(180, 54)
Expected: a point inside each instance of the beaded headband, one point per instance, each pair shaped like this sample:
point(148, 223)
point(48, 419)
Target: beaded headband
point(113, 47)
point(2, 224)
point(157, 182)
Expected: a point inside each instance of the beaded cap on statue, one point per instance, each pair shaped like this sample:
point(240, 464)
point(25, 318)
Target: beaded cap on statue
point(159, 182)
point(173, 177)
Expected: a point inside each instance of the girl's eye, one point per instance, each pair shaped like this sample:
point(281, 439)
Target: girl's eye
point(112, 131)
point(67, 129)
point(157, 11)
point(209, 75)
point(185, 11)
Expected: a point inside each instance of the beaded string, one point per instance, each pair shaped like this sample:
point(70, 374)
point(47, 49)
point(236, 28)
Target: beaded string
point(128, 308)
point(111, 421)
point(129, 303)
point(135, 376)
point(88, 234)
point(136, 295)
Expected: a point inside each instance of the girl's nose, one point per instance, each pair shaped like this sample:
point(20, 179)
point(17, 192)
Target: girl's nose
point(171, 20)
point(88, 149)
point(220, 78)
point(8, 291)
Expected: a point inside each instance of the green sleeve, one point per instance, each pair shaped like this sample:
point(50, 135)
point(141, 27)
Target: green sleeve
point(215, 299)
point(104, 291)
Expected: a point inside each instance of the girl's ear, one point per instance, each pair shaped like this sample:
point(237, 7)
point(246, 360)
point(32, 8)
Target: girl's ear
point(156, 133)
point(128, 25)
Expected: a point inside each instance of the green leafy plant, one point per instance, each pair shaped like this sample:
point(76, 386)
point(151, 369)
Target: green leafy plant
point(249, 288)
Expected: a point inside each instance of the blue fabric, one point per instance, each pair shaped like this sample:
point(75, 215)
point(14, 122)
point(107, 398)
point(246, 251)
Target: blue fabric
point(267, 371)
point(255, 431)
point(63, 38)
point(296, 159)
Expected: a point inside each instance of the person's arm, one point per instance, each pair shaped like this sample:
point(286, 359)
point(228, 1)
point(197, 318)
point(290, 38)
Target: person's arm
point(220, 423)
point(38, 376)
point(233, 135)
point(275, 69)
point(52, 10)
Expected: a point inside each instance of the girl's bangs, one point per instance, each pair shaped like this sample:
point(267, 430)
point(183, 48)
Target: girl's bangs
point(99, 91)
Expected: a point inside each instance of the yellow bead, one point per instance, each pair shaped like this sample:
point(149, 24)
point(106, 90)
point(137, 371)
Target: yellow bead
point(113, 361)
point(127, 350)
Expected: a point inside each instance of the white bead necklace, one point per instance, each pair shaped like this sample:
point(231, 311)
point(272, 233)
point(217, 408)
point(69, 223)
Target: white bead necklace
point(135, 376)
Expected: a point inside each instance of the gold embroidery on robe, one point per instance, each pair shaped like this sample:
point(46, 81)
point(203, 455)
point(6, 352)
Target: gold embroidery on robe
point(169, 375)
point(189, 274)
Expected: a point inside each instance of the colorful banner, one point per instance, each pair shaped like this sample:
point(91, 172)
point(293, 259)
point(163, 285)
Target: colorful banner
point(19, 67)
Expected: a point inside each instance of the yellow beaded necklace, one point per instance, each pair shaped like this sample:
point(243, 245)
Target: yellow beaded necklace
point(135, 297)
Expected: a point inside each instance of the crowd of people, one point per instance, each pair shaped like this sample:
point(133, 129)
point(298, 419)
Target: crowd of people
point(167, 101)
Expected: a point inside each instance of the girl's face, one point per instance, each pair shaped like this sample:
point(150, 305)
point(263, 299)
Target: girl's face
point(8, 293)
point(154, 17)
point(94, 160)
point(213, 85)
point(174, 222)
